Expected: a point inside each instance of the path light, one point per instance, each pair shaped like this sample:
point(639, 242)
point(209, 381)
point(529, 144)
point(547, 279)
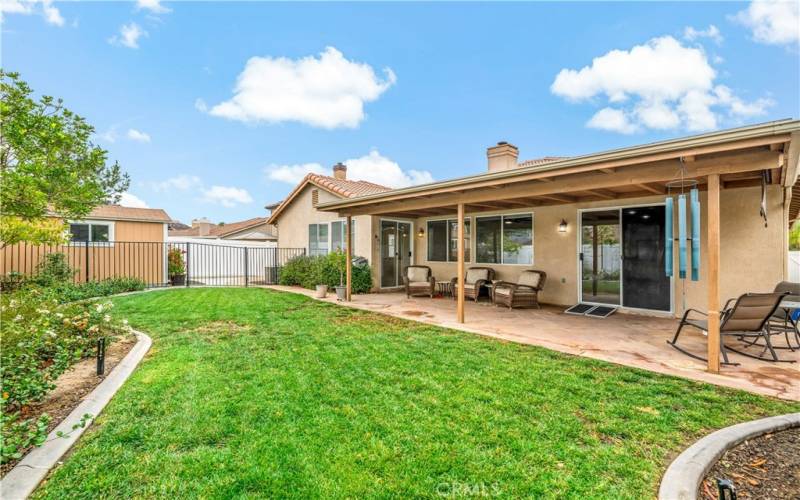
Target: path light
point(562, 227)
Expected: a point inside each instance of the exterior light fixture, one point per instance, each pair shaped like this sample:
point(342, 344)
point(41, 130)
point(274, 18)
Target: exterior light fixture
point(562, 226)
point(421, 233)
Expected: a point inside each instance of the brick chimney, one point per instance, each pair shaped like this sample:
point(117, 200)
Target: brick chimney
point(204, 225)
point(340, 171)
point(502, 157)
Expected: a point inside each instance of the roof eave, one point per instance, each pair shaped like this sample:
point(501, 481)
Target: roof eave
point(779, 127)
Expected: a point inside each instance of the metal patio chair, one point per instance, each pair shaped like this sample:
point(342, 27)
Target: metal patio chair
point(748, 318)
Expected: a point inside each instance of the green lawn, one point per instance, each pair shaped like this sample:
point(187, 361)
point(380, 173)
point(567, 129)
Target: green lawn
point(254, 393)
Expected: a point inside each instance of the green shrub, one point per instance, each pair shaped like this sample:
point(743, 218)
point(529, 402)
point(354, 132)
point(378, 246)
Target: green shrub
point(68, 292)
point(40, 338)
point(54, 268)
point(329, 269)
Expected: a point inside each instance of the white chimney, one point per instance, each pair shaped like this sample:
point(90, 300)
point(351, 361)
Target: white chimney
point(502, 157)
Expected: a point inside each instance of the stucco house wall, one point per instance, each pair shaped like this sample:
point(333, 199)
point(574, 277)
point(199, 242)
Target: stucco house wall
point(753, 258)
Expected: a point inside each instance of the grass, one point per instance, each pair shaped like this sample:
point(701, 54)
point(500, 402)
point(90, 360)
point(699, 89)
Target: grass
point(253, 393)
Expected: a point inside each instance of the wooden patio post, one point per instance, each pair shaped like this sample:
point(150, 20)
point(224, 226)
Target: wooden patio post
point(348, 255)
point(713, 273)
point(460, 307)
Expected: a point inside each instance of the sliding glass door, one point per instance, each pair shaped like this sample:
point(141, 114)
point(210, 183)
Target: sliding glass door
point(600, 257)
point(622, 258)
point(395, 251)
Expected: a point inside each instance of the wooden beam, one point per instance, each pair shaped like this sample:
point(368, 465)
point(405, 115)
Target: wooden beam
point(688, 158)
point(602, 193)
point(608, 170)
point(654, 172)
point(461, 270)
point(349, 258)
point(559, 197)
point(652, 189)
point(712, 241)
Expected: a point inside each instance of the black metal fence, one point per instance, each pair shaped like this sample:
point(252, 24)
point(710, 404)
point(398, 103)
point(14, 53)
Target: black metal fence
point(204, 263)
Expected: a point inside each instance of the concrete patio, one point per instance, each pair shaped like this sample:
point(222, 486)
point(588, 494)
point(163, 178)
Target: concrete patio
point(626, 339)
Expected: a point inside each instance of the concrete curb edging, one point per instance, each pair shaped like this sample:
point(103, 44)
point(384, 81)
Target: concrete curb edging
point(23, 479)
point(683, 476)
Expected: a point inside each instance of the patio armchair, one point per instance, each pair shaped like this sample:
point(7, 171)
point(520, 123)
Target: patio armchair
point(475, 279)
point(418, 280)
point(523, 293)
point(748, 318)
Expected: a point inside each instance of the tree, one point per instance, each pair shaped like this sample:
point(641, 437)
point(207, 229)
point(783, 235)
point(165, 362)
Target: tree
point(48, 166)
point(794, 236)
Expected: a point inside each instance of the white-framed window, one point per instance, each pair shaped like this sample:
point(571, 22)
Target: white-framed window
point(443, 240)
point(325, 237)
point(504, 239)
point(94, 232)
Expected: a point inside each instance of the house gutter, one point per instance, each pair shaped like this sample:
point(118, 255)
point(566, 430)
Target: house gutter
point(775, 128)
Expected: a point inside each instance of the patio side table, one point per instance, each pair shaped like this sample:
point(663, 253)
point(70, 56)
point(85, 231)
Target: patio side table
point(445, 288)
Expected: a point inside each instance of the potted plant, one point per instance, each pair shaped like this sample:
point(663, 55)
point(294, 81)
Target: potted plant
point(341, 290)
point(176, 266)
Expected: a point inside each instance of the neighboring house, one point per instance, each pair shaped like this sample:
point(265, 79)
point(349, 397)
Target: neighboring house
point(111, 241)
point(594, 223)
point(301, 225)
point(254, 231)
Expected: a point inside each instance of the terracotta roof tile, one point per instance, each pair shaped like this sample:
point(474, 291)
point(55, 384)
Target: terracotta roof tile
point(540, 161)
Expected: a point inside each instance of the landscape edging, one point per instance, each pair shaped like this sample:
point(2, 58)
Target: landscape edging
point(23, 479)
point(683, 476)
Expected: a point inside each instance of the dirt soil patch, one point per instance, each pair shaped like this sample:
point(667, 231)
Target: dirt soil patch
point(72, 387)
point(767, 467)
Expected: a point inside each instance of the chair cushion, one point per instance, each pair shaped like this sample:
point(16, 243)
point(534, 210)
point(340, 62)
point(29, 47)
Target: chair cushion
point(474, 275)
point(469, 286)
point(519, 293)
point(419, 284)
point(529, 278)
point(417, 274)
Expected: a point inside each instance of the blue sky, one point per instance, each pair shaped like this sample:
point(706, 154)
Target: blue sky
point(404, 93)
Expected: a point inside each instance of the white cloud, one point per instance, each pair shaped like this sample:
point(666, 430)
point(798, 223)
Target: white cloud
point(227, 196)
point(292, 174)
point(181, 182)
point(49, 12)
point(153, 6)
point(328, 91)
point(200, 105)
point(613, 120)
point(372, 167)
point(129, 35)
point(137, 135)
point(109, 135)
point(131, 200)
point(712, 33)
point(775, 22)
point(659, 85)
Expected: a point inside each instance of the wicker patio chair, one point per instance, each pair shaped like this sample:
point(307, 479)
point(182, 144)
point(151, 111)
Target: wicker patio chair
point(747, 320)
point(523, 293)
point(418, 280)
point(475, 279)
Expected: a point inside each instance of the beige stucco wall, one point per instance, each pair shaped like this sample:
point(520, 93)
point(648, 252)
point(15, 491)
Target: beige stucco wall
point(753, 257)
point(294, 220)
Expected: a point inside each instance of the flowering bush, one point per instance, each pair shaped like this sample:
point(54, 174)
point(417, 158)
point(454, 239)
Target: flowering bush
point(175, 263)
point(41, 338)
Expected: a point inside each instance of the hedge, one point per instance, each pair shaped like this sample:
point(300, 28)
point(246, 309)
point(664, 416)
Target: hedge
point(329, 269)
